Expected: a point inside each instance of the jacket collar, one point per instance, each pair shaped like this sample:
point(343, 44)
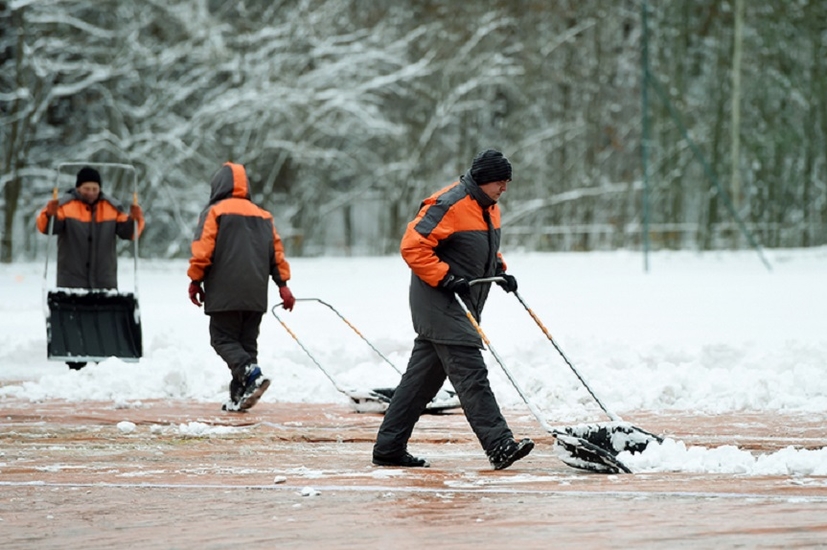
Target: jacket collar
point(474, 190)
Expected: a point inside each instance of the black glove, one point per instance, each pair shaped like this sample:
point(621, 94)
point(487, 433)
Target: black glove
point(508, 283)
point(457, 285)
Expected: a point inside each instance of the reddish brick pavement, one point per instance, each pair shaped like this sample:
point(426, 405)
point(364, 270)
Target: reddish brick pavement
point(192, 476)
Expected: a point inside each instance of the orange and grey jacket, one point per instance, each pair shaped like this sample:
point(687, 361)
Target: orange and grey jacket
point(457, 230)
point(236, 247)
point(86, 254)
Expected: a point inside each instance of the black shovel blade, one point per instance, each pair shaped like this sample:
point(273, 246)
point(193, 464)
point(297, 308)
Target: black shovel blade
point(579, 453)
point(613, 437)
point(445, 400)
point(93, 325)
point(376, 400)
point(595, 447)
point(369, 400)
point(383, 394)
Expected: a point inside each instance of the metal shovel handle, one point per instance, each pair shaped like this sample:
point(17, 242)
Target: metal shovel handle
point(305, 350)
point(534, 410)
point(49, 232)
point(354, 329)
point(540, 324)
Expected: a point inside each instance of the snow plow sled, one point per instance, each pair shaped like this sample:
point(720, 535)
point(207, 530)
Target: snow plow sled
point(369, 400)
point(92, 325)
point(592, 447)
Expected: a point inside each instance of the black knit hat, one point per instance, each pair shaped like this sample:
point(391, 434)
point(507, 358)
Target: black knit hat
point(490, 166)
point(87, 174)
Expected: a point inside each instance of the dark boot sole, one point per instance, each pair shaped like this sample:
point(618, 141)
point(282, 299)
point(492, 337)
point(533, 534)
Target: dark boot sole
point(401, 463)
point(253, 398)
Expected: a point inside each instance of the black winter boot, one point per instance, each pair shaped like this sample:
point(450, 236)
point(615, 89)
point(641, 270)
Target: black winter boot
point(407, 460)
point(509, 452)
point(254, 387)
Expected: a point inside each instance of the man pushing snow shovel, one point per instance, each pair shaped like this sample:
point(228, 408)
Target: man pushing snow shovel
point(454, 238)
point(88, 223)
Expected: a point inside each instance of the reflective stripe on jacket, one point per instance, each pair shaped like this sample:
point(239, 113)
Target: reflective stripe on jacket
point(86, 253)
point(457, 230)
point(236, 247)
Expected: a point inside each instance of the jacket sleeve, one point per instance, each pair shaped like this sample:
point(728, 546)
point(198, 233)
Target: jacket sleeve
point(280, 270)
point(418, 245)
point(125, 227)
point(203, 247)
point(43, 222)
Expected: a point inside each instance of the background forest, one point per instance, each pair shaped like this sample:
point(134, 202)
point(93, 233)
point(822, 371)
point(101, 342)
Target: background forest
point(683, 124)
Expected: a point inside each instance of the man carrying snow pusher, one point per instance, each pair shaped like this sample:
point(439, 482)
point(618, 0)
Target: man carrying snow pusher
point(454, 238)
point(235, 251)
point(87, 222)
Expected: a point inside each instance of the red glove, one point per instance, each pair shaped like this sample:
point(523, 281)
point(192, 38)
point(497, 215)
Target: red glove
point(287, 298)
point(51, 208)
point(196, 294)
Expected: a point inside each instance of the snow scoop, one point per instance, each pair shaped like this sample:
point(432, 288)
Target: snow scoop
point(613, 437)
point(592, 447)
point(369, 400)
point(84, 325)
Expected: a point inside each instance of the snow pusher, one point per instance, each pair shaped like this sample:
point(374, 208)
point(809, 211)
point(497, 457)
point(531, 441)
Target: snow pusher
point(593, 447)
point(374, 400)
point(91, 325)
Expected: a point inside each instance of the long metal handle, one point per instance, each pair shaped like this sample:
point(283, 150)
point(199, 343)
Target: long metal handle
point(49, 241)
point(348, 323)
point(135, 235)
point(306, 351)
point(540, 324)
point(534, 410)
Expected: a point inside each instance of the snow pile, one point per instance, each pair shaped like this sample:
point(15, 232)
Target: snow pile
point(675, 456)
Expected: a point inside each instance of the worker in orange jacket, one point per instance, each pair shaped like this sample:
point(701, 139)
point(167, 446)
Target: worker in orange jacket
point(235, 251)
point(87, 223)
point(454, 239)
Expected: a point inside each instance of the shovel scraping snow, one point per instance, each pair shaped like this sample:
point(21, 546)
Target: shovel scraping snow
point(591, 447)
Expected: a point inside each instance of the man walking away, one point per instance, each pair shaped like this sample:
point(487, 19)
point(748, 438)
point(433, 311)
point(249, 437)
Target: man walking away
point(235, 251)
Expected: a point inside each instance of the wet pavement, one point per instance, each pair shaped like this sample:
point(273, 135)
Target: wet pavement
point(170, 474)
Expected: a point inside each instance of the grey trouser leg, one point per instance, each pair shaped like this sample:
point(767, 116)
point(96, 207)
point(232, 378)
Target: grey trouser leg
point(420, 383)
point(425, 374)
point(234, 337)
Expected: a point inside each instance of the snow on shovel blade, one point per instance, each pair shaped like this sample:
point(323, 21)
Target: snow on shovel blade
point(595, 447)
point(579, 453)
point(370, 401)
point(377, 401)
point(445, 400)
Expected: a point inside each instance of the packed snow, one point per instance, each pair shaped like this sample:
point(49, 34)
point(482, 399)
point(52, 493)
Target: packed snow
point(712, 333)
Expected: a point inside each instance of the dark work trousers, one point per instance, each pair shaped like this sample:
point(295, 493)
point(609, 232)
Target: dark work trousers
point(427, 368)
point(234, 337)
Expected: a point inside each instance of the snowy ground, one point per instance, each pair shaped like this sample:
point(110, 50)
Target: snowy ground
point(714, 332)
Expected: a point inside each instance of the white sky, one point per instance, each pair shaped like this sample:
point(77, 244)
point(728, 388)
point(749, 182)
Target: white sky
point(713, 332)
